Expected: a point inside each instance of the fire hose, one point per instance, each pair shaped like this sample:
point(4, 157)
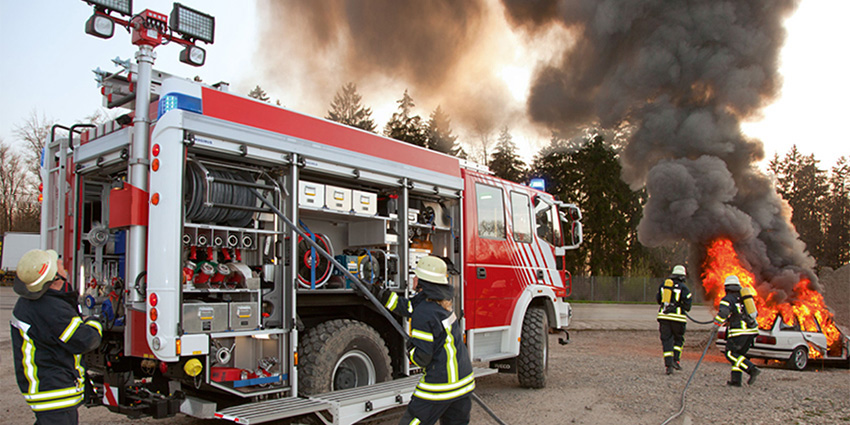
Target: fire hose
point(359, 285)
point(705, 350)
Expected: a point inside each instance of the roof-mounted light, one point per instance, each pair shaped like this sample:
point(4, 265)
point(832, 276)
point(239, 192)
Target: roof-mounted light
point(179, 101)
point(124, 7)
point(193, 55)
point(100, 26)
point(192, 24)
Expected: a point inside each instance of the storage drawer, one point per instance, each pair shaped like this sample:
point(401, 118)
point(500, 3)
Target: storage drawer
point(311, 194)
point(338, 198)
point(204, 317)
point(244, 316)
point(364, 202)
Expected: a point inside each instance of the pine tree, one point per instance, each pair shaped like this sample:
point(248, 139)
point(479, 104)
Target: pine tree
point(346, 109)
point(404, 127)
point(504, 162)
point(804, 186)
point(439, 132)
point(836, 250)
point(259, 94)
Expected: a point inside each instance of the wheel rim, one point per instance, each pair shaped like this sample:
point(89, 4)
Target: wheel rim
point(800, 358)
point(353, 369)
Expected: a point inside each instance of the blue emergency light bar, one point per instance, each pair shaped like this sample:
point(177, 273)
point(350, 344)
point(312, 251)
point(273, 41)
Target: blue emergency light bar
point(179, 101)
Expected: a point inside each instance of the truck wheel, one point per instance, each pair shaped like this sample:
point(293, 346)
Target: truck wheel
point(341, 354)
point(799, 358)
point(533, 359)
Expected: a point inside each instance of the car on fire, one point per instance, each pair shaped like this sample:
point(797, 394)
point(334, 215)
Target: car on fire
point(789, 343)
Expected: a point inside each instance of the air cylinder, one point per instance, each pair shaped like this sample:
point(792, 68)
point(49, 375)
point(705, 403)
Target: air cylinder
point(747, 294)
point(667, 291)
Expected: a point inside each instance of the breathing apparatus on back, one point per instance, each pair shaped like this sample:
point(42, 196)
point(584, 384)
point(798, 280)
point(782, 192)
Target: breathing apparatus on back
point(667, 288)
point(747, 293)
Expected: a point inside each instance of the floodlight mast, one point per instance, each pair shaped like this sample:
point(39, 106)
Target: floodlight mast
point(148, 28)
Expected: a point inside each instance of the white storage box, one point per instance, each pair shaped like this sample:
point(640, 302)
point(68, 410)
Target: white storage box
point(364, 202)
point(338, 198)
point(311, 194)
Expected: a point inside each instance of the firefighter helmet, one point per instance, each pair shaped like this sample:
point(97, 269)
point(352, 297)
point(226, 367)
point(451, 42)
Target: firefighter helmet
point(432, 269)
point(679, 270)
point(36, 268)
point(732, 280)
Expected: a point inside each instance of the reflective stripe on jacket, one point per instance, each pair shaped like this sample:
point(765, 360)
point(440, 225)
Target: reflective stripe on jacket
point(48, 341)
point(680, 301)
point(438, 348)
point(731, 310)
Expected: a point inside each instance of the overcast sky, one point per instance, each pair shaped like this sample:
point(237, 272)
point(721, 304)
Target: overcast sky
point(47, 60)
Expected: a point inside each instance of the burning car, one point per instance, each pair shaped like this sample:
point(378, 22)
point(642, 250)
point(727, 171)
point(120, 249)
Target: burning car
point(789, 342)
point(795, 324)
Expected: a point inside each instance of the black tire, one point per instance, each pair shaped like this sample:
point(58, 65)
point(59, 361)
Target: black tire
point(341, 354)
point(799, 358)
point(533, 359)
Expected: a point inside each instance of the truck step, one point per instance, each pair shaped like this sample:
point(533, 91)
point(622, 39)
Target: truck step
point(344, 407)
point(270, 410)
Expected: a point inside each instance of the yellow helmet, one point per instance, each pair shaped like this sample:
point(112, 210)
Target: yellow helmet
point(36, 268)
point(432, 269)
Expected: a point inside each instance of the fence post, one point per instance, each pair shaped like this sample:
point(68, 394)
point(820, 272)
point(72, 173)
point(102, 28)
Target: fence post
point(592, 278)
point(618, 288)
point(644, 288)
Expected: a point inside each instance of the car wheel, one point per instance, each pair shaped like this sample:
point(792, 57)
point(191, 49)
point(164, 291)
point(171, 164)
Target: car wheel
point(799, 358)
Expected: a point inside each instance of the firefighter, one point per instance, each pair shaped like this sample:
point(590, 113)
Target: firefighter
point(674, 299)
point(436, 345)
point(741, 330)
point(49, 338)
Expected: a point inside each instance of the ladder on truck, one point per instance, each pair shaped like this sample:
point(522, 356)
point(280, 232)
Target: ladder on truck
point(344, 407)
point(54, 178)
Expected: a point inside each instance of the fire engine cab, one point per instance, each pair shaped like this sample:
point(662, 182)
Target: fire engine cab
point(226, 242)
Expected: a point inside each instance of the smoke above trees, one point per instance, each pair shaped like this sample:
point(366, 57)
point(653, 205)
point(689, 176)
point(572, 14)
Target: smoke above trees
point(680, 75)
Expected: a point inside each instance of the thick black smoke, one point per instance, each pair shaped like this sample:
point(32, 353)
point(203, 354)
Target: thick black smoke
point(682, 74)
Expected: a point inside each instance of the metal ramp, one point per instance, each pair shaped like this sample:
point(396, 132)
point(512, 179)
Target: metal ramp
point(343, 407)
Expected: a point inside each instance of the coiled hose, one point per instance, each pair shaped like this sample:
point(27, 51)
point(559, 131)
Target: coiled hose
point(197, 192)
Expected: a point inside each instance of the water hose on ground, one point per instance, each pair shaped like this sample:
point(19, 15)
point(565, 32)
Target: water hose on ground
point(682, 409)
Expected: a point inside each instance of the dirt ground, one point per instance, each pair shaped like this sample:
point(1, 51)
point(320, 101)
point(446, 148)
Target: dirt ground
point(604, 377)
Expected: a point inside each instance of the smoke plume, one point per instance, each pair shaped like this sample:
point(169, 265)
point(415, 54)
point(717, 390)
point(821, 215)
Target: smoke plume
point(681, 74)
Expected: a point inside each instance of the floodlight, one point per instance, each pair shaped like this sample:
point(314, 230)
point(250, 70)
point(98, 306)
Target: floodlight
point(124, 7)
point(193, 55)
point(100, 26)
point(192, 24)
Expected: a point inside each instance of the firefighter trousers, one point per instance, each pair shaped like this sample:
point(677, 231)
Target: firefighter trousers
point(672, 340)
point(424, 412)
point(57, 417)
point(736, 349)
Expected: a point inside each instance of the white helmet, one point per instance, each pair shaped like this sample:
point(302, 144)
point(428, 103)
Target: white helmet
point(732, 280)
point(432, 269)
point(36, 268)
point(679, 270)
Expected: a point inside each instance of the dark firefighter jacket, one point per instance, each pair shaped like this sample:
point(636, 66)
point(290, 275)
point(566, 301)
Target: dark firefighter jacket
point(680, 301)
point(731, 310)
point(48, 340)
point(436, 346)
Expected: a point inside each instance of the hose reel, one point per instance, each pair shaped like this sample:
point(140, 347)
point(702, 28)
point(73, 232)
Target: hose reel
point(232, 204)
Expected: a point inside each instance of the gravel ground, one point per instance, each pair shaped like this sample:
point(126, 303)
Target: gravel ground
point(606, 377)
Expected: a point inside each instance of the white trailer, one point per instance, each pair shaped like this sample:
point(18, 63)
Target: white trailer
point(14, 246)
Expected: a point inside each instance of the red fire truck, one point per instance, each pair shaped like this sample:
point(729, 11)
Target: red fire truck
point(225, 241)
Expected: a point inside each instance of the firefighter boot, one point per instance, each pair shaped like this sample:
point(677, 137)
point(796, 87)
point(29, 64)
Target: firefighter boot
point(736, 379)
point(676, 351)
point(668, 365)
point(754, 372)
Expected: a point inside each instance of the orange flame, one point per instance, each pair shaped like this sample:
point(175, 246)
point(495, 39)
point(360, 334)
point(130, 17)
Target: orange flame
point(806, 304)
